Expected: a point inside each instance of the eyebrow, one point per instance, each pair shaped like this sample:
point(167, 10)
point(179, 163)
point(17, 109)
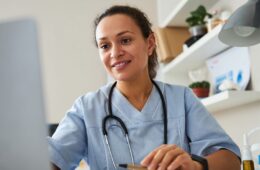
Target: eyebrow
point(121, 33)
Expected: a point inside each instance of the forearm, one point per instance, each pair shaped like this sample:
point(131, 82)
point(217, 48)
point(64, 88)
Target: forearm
point(224, 160)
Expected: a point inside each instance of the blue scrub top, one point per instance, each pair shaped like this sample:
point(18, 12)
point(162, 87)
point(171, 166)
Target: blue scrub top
point(190, 126)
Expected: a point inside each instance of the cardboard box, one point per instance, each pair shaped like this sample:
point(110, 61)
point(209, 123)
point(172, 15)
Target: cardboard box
point(170, 41)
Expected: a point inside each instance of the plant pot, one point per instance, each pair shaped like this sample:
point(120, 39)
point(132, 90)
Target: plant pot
point(198, 30)
point(201, 92)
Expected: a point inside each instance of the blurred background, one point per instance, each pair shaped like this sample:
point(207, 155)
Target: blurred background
point(70, 62)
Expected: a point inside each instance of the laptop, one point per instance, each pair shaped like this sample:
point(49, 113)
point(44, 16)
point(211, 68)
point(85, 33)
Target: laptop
point(23, 127)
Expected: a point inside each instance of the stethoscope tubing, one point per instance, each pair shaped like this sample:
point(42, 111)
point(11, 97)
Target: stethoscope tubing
point(165, 122)
point(110, 116)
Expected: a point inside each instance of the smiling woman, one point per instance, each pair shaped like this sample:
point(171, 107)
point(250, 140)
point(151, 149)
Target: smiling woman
point(136, 119)
point(122, 48)
point(134, 30)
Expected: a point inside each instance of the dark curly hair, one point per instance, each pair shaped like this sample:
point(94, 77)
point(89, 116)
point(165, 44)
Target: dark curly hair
point(142, 22)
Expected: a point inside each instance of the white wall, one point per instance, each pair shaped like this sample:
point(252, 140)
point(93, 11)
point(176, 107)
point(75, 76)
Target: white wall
point(70, 61)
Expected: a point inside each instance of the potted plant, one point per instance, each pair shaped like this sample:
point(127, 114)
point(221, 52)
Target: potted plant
point(201, 89)
point(197, 24)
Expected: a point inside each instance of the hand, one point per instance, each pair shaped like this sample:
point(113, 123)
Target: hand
point(170, 157)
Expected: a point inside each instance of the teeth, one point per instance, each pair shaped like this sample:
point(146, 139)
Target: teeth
point(121, 64)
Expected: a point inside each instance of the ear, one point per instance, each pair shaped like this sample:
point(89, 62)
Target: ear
point(151, 43)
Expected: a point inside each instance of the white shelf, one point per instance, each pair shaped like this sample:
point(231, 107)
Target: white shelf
point(182, 10)
point(230, 99)
point(176, 72)
point(195, 56)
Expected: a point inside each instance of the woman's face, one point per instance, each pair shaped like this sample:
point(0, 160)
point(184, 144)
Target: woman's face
point(122, 48)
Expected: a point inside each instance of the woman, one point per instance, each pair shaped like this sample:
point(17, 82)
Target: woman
point(168, 128)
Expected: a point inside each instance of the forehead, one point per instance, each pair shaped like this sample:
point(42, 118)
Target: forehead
point(115, 24)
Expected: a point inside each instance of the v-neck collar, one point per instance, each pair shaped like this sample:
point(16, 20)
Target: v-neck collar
point(124, 109)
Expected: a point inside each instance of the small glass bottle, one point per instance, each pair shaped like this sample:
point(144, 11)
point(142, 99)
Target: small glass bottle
point(248, 165)
point(247, 161)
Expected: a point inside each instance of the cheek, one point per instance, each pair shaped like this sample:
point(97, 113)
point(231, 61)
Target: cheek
point(142, 54)
point(143, 49)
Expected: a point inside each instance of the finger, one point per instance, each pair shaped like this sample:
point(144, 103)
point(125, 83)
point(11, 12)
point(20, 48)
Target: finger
point(183, 162)
point(146, 161)
point(160, 154)
point(169, 157)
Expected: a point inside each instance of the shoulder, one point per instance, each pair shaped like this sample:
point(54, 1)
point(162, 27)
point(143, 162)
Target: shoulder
point(182, 96)
point(172, 89)
point(94, 97)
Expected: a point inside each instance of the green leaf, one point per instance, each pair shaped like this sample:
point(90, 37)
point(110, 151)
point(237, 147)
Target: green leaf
point(197, 16)
point(202, 84)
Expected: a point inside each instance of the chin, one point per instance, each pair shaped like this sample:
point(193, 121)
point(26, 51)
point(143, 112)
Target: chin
point(122, 78)
point(126, 77)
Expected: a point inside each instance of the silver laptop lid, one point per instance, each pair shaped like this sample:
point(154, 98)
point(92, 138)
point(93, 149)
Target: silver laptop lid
point(23, 128)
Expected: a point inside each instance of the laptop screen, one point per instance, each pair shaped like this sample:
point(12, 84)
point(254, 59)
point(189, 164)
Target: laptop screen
point(23, 130)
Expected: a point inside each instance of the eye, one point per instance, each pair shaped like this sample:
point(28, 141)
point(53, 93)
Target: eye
point(126, 41)
point(104, 46)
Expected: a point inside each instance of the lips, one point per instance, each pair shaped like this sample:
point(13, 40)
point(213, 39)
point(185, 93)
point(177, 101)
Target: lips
point(121, 64)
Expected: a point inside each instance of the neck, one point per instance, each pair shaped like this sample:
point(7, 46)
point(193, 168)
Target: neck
point(137, 92)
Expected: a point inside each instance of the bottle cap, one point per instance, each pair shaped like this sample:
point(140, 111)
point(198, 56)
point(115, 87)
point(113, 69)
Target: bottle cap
point(246, 153)
point(245, 141)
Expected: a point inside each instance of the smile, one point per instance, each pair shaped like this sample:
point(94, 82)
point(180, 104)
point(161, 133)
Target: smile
point(121, 64)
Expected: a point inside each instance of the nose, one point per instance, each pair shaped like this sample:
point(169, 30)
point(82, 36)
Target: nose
point(116, 51)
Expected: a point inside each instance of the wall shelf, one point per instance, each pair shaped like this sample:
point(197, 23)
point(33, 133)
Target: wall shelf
point(174, 13)
point(195, 56)
point(230, 99)
point(182, 10)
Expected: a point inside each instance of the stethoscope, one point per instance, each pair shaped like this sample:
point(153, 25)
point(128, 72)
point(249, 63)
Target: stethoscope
point(110, 116)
